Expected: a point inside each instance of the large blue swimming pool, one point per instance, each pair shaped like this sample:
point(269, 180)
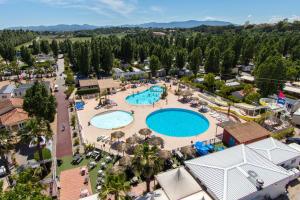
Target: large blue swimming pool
point(177, 122)
point(146, 97)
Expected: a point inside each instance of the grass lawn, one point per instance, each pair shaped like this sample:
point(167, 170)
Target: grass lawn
point(92, 174)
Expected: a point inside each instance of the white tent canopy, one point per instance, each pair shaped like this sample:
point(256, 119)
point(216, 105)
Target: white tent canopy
point(178, 183)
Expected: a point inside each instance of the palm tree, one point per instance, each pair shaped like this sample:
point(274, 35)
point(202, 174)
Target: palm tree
point(114, 184)
point(5, 146)
point(229, 104)
point(146, 162)
point(34, 130)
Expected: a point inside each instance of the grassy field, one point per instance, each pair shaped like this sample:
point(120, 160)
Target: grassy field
point(93, 174)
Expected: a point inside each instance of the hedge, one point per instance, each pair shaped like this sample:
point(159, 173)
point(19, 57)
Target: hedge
point(289, 132)
point(46, 154)
point(87, 91)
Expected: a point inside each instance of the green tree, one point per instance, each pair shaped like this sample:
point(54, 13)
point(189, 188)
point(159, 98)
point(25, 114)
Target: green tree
point(5, 146)
point(195, 60)
point(247, 51)
point(95, 54)
point(44, 46)
point(126, 49)
point(7, 51)
point(227, 62)
point(209, 81)
point(39, 102)
point(212, 61)
point(142, 53)
point(26, 56)
point(34, 130)
point(35, 47)
point(114, 184)
point(180, 58)
point(270, 76)
point(296, 53)
point(167, 60)
point(154, 64)
point(146, 162)
point(54, 48)
point(107, 58)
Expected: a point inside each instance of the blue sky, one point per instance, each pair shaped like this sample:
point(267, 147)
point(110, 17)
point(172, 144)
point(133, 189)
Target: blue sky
point(117, 12)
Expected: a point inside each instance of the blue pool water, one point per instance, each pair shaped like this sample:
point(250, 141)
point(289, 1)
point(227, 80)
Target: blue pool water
point(112, 119)
point(79, 105)
point(177, 122)
point(146, 97)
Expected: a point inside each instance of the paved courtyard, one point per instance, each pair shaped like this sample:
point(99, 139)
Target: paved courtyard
point(90, 133)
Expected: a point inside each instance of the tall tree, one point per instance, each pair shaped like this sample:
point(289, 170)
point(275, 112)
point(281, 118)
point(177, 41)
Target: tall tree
point(39, 102)
point(195, 60)
point(146, 162)
point(45, 47)
point(180, 58)
point(5, 146)
point(35, 130)
point(270, 76)
point(167, 60)
point(35, 47)
point(227, 63)
point(54, 48)
point(247, 51)
point(114, 184)
point(126, 49)
point(209, 81)
point(7, 51)
point(154, 64)
point(212, 61)
point(107, 58)
point(95, 54)
point(26, 56)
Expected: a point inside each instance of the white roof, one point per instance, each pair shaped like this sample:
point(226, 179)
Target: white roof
point(275, 151)
point(158, 194)
point(247, 78)
point(174, 182)
point(231, 174)
point(291, 89)
point(91, 197)
point(295, 146)
point(232, 84)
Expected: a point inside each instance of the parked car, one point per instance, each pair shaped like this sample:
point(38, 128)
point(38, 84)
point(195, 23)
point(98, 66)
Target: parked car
point(2, 171)
point(292, 140)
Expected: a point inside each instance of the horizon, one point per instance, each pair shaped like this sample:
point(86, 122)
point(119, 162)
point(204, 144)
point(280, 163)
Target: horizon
point(133, 12)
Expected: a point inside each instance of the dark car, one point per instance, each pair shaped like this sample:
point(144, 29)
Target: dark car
point(292, 140)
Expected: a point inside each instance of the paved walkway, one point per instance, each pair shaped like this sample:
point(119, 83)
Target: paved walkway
point(63, 138)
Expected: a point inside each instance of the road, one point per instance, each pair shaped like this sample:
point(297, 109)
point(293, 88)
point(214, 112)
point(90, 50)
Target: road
point(63, 138)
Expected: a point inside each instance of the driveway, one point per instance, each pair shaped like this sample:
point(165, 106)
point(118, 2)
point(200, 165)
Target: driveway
point(63, 138)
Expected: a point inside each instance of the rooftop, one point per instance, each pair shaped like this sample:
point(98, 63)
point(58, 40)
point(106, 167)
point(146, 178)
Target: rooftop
point(88, 82)
point(231, 174)
point(274, 150)
point(174, 183)
point(7, 89)
point(249, 131)
point(108, 83)
point(12, 102)
point(13, 117)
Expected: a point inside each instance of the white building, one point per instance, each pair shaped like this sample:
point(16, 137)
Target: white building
point(7, 91)
point(239, 173)
point(119, 73)
point(277, 152)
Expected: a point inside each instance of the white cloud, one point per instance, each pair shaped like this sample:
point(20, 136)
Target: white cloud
point(209, 18)
point(275, 19)
point(106, 7)
point(249, 16)
point(156, 9)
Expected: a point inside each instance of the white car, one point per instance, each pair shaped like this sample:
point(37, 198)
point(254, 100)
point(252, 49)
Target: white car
point(2, 171)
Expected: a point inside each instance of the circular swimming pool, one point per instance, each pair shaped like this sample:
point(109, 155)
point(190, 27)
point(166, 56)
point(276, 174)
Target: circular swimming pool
point(177, 122)
point(112, 119)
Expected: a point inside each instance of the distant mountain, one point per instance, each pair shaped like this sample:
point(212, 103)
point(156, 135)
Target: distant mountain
point(58, 28)
point(184, 24)
point(76, 27)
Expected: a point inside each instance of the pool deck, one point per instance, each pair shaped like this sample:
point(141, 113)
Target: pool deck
point(90, 133)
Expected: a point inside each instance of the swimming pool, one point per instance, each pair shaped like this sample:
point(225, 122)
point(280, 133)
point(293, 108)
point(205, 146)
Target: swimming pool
point(146, 97)
point(79, 105)
point(177, 122)
point(112, 119)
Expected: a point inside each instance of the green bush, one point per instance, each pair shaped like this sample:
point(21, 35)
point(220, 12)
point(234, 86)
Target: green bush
point(46, 154)
point(76, 142)
point(87, 91)
point(69, 91)
point(75, 134)
point(289, 132)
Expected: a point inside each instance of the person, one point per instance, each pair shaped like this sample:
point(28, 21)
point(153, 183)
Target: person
point(63, 127)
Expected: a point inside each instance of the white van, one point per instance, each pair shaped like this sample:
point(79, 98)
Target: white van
point(55, 88)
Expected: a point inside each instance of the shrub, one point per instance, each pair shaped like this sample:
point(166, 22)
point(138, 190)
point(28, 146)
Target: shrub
point(289, 132)
point(76, 142)
point(75, 134)
point(46, 154)
point(87, 91)
point(69, 91)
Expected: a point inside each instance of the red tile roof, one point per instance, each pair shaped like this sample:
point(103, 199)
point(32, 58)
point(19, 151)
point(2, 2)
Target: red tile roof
point(13, 102)
point(13, 117)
